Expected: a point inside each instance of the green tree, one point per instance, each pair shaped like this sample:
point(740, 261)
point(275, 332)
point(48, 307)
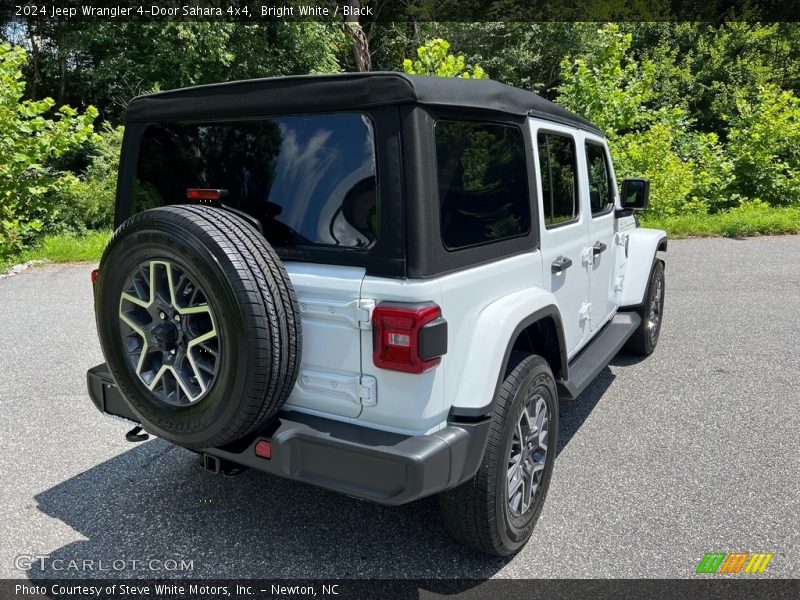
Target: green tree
point(108, 63)
point(435, 60)
point(607, 85)
point(764, 145)
point(29, 138)
point(689, 171)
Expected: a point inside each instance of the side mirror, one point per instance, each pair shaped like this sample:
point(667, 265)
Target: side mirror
point(635, 194)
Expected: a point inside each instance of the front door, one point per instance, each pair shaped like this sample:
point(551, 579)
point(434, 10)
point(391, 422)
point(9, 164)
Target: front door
point(564, 228)
point(599, 188)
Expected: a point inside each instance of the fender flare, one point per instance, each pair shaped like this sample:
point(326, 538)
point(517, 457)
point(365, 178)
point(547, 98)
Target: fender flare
point(642, 247)
point(495, 373)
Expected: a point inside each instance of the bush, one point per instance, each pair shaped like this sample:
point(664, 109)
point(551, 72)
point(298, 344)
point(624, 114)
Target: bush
point(764, 146)
point(31, 134)
point(87, 201)
point(650, 154)
point(690, 172)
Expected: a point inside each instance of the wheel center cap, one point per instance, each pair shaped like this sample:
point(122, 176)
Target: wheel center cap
point(165, 335)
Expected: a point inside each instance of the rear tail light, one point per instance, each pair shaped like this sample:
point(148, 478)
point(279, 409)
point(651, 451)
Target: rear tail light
point(95, 274)
point(408, 337)
point(205, 195)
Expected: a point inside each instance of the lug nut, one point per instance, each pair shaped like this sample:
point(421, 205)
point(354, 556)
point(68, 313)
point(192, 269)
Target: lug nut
point(172, 351)
point(162, 315)
point(178, 318)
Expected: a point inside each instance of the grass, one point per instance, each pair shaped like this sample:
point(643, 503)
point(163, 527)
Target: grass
point(734, 223)
point(65, 247)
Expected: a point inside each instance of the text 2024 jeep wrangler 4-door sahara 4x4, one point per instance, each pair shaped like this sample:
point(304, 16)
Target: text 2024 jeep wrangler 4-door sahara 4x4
point(374, 283)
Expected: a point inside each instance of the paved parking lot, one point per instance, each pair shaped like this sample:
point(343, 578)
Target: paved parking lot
point(695, 449)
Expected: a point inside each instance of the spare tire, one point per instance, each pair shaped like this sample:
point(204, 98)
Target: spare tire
point(199, 324)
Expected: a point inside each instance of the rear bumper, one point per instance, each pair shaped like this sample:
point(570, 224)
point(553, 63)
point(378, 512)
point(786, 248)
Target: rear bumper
point(379, 466)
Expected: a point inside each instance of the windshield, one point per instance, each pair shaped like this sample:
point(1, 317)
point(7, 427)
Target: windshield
point(309, 180)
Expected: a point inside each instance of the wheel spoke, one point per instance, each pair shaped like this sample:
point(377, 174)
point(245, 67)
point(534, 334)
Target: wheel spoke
point(173, 344)
point(527, 455)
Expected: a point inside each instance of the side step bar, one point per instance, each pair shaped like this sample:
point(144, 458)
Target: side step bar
point(598, 353)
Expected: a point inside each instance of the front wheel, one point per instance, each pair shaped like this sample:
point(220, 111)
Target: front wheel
point(496, 510)
point(644, 339)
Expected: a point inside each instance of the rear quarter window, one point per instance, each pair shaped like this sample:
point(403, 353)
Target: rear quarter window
point(308, 179)
point(483, 183)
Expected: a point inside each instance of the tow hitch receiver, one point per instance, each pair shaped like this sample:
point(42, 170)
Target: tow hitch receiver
point(220, 466)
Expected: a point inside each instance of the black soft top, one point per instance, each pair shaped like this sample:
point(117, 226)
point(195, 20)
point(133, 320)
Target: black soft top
point(343, 91)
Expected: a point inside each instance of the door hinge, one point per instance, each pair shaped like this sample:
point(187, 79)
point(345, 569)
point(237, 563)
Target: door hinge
point(364, 313)
point(618, 283)
point(356, 389)
point(355, 312)
point(368, 390)
point(586, 311)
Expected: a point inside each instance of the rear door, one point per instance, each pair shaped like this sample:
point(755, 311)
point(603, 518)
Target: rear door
point(598, 187)
point(564, 228)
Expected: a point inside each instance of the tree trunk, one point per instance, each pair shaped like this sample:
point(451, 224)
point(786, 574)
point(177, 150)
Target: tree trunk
point(62, 83)
point(360, 41)
point(35, 60)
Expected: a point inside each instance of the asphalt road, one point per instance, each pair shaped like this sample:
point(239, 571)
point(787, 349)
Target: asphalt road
point(695, 449)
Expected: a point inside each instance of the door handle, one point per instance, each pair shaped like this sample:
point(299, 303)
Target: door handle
point(598, 248)
point(562, 263)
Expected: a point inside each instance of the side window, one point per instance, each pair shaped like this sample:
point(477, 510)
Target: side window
point(483, 183)
point(600, 197)
point(559, 178)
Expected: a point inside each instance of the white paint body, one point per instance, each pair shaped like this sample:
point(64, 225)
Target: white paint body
point(483, 307)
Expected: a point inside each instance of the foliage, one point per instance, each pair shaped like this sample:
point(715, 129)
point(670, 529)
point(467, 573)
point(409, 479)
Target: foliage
point(689, 170)
point(87, 200)
point(764, 146)
point(607, 85)
point(108, 63)
point(709, 112)
point(704, 67)
point(435, 60)
point(63, 247)
point(31, 133)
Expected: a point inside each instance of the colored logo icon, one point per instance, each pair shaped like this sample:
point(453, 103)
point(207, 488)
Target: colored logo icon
point(734, 562)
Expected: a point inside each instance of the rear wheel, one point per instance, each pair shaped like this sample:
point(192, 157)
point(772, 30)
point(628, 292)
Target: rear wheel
point(644, 339)
point(496, 510)
point(198, 323)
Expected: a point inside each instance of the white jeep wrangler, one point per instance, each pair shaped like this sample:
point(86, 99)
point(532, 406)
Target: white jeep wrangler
point(374, 283)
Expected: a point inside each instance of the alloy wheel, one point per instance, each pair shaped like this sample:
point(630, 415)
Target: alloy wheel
point(169, 332)
point(527, 455)
point(656, 308)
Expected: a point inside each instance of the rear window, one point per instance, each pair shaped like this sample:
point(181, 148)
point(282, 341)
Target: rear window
point(309, 180)
point(483, 183)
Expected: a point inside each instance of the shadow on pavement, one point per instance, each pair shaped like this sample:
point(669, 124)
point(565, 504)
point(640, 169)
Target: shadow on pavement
point(573, 413)
point(153, 502)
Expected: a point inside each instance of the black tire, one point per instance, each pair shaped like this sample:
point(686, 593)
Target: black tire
point(256, 320)
point(477, 513)
point(644, 340)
